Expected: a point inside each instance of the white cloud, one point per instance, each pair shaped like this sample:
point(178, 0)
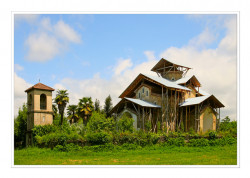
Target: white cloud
point(18, 67)
point(67, 33)
point(50, 40)
point(122, 65)
point(20, 85)
point(42, 47)
point(29, 18)
point(150, 55)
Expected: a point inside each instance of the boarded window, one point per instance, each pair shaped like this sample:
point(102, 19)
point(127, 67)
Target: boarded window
point(43, 101)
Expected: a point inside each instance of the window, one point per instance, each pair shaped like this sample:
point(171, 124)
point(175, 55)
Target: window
point(173, 78)
point(143, 90)
point(43, 101)
point(146, 93)
point(155, 103)
point(139, 95)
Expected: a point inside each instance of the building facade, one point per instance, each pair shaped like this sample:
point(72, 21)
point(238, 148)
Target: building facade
point(171, 99)
point(39, 101)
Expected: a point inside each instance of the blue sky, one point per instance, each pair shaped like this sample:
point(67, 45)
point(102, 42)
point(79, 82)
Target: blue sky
point(104, 50)
point(104, 39)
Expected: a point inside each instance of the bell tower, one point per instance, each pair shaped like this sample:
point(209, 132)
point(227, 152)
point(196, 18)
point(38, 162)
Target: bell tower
point(39, 101)
point(170, 70)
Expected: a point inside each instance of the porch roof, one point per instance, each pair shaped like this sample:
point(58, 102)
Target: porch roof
point(143, 103)
point(200, 99)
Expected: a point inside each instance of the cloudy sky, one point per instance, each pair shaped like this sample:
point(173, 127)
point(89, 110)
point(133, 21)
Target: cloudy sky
point(97, 55)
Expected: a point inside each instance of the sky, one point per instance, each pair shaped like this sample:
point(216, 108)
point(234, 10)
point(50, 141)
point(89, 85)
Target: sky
point(98, 55)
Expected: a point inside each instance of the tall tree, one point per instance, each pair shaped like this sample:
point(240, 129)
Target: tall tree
point(72, 113)
point(85, 108)
point(61, 100)
point(108, 105)
point(20, 126)
point(97, 105)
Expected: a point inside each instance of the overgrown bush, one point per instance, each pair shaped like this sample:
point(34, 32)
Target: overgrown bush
point(98, 138)
point(198, 142)
point(98, 122)
point(125, 123)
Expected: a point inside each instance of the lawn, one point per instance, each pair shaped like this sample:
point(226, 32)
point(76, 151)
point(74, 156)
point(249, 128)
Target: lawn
point(152, 155)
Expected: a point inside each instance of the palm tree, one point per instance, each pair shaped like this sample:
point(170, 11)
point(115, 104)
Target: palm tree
point(85, 108)
point(72, 116)
point(61, 100)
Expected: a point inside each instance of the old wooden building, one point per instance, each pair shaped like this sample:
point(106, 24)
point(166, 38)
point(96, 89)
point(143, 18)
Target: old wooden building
point(171, 99)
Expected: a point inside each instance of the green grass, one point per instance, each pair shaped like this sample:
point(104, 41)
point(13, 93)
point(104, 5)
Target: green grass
point(152, 155)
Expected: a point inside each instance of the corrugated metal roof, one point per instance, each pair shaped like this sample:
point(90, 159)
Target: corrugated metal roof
point(143, 103)
point(183, 80)
point(202, 92)
point(166, 82)
point(193, 101)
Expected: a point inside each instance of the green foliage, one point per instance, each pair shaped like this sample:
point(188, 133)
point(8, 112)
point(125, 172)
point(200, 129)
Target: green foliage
point(98, 138)
point(98, 122)
point(43, 130)
point(85, 109)
point(20, 127)
point(97, 106)
point(108, 106)
point(72, 114)
point(228, 128)
point(198, 142)
point(125, 123)
point(67, 148)
point(61, 100)
point(180, 141)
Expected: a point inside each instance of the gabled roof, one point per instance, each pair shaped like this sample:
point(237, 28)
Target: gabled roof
point(186, 79)
point(202, 92)
point(155, 79)
point(40, 86)
point(143, 103)
point(119, 106)
point(164, 63)
point(200, 99)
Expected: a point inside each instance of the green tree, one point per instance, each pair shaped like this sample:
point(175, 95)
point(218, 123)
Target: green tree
point(20, 126)
point(72, 113)
point(108, 106)
point(85, 109)
point(97, 105)
point(61, 100)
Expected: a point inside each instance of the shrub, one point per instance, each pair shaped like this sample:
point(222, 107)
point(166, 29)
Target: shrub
point(98, 122)
point(130, 146)
point(198, 142)
point(41, 130)
point(179, 141)
point(67, 148)
point(125, 123)
point(212, 135)
point(98, 138)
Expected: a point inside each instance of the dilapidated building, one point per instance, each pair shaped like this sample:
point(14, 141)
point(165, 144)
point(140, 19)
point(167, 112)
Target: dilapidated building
point(171, 99)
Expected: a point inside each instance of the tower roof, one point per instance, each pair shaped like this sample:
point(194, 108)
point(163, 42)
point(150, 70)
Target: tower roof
point(163, 63)
point(40, 86)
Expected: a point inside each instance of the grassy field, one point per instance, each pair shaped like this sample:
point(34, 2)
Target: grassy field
point(226, 155)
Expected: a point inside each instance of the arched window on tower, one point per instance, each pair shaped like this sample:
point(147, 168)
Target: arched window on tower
point(43, 101)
